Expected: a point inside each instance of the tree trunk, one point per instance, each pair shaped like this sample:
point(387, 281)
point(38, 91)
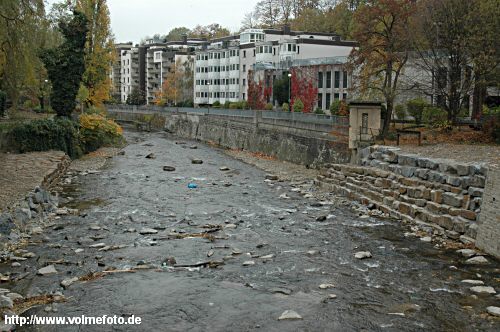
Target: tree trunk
point(388, 115)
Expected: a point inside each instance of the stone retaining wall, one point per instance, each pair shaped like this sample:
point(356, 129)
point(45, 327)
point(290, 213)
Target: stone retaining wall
point(488, 236)
point(289, 143)
point(437, 192)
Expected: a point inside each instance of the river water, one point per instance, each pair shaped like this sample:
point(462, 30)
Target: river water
point(407, 285)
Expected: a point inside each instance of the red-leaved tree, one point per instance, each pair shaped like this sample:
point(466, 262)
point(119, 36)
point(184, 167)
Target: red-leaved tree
point(304, 87)
point(258, 93)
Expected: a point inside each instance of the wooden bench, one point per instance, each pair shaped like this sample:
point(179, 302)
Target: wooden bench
point(409, 132)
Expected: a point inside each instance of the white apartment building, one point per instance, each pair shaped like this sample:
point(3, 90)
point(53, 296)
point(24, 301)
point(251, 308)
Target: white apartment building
point(145, 67)
point(130, 72)
point(221, 69)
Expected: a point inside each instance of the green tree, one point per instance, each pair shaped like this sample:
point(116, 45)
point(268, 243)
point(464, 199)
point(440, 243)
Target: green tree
point(66, 64)
point(298, 106)
point(176, 34)
point(136, 97)
point(23, 30)
point(210, 31)
point(281, 89)
point(416, 109)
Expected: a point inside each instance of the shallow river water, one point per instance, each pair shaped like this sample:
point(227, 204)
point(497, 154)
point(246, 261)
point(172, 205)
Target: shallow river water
point(407, 285)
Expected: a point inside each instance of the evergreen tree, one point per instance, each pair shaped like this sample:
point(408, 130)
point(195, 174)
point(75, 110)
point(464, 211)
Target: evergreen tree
point(66, 64)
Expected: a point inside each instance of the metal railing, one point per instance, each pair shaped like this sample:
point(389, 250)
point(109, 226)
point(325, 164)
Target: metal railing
point(311, 118)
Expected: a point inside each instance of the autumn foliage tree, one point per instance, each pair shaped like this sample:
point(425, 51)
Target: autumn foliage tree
point(177, 86)
point(258, 93)
point(303, 87)
point(99, 52)
point(383, 36)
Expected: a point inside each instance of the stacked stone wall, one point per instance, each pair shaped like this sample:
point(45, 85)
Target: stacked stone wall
point(446, 195)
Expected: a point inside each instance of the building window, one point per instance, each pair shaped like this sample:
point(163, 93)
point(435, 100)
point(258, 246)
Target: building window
point(344, 80)
point(320, 100)
point(244, 82)
point(344, 96)
point(244, 67)
point(243, 96)
point(336, 96)
point(328, 81)
point(274, 50)
point(328, 101)
point(320, 80)
point(254, 52)
point(337, 80)
point(244, 54)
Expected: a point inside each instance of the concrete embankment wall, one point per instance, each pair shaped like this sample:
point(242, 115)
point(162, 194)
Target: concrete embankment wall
point(459, 201)
point(286, 143)
point(301, 143)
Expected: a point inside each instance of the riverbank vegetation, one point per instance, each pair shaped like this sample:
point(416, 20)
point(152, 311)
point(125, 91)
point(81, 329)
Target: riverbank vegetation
point(71, 66)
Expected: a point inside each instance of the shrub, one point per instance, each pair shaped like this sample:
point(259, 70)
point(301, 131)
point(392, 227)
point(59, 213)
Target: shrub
point(400, 112)
point(318, 111)
point(96, 131)
point(216, 104)
point(227, 104)
point(3, 102)
point(285, 107)
point(48, 134)
point(335, 107)
point(269, 107)
point(490, 111)
point(233, 106)
point(434, 115)
point(95, 110)
point(416, 108)
point(244, 105)
point(298, 105)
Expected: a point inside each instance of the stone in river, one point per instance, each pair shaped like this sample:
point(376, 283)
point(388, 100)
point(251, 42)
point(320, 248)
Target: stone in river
point(68, 282)
point(326, 286)
point(248, 263)
point(47, 270)
point(363, 254)
point(289, 315)
point(483, 289)
point(146, 231)
point(477, 260)
point(495, 311)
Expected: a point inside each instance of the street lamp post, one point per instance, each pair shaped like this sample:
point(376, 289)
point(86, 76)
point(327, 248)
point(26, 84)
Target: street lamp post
point(43, 86)
point(208, 95)
point(289, 89)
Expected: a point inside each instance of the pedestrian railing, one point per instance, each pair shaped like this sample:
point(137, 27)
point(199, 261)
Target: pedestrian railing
point(320, 122)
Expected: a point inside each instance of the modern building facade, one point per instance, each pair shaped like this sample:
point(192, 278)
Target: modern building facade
point(145, 67)
point(222, 68)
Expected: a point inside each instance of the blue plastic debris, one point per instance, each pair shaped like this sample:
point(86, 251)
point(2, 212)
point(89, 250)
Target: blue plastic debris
point(192, 186)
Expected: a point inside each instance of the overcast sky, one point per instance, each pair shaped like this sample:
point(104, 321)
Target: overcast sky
point(132, 20)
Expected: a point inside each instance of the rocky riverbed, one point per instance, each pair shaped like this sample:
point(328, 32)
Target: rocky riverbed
point(222, 245)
